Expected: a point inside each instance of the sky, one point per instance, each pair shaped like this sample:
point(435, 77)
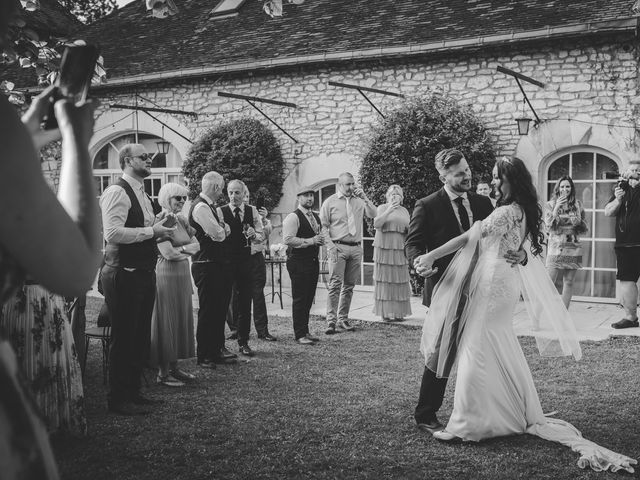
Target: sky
point(122, 3)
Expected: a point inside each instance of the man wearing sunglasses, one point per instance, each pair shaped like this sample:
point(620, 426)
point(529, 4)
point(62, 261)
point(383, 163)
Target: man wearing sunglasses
point(128, 277)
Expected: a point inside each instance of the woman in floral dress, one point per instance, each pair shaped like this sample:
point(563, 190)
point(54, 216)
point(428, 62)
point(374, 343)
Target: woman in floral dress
point(565, 220)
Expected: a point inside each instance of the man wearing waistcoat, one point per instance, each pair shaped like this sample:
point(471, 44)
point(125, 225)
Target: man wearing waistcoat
point(128, 277)
point(302, 234)
point(211, 270)
point(246, 227)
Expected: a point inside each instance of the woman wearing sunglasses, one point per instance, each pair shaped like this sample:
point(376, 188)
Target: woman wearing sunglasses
point(172, 335)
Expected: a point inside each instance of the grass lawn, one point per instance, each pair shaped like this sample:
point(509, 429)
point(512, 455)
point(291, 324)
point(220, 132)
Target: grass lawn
point(343, 409)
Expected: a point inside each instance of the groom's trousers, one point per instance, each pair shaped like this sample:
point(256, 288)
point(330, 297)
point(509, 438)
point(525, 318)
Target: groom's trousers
point(431, 396)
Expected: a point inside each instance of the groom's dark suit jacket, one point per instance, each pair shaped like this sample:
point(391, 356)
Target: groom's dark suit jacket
point(433, 223)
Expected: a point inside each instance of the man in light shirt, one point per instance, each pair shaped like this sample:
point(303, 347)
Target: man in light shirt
point(301, 232)
point(342, 215)
point(128, 277)
point(211, 270)
point(246, 228)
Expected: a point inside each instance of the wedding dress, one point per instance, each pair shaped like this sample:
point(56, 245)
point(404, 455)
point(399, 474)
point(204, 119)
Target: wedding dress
point(470, 323)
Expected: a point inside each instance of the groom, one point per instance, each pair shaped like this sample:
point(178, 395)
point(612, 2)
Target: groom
point(436, 219)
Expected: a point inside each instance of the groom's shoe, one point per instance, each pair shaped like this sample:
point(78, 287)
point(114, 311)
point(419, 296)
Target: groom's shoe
point(445, 436)
point(431, 426)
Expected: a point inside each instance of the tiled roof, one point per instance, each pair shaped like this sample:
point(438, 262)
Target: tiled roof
point(134, 43)
point(51, 17)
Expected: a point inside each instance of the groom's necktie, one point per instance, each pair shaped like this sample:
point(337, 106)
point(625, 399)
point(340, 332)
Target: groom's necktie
point(462, 213)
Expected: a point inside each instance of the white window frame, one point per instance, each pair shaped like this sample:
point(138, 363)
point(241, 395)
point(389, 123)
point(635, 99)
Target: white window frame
point(591, 268)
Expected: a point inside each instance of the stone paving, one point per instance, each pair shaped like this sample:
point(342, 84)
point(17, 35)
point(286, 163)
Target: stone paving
point(592, 320)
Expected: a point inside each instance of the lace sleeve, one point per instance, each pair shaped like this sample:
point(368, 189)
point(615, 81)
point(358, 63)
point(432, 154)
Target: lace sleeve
point(501, 220)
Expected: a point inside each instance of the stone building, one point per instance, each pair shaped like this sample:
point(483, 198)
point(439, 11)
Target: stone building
point(586, 54)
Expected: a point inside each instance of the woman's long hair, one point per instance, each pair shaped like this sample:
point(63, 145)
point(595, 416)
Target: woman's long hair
point(571, 201)
point(524, 194)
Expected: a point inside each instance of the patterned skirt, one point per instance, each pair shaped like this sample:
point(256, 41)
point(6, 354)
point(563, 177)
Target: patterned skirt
point(35, 323)
point(564, 252)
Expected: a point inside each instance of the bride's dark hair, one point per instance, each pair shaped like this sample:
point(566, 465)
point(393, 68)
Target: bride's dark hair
point(524, 194)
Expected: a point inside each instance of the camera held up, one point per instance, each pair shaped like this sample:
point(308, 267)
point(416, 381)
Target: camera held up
point(623, 179)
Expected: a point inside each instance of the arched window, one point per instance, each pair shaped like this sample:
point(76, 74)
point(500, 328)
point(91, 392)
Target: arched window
point(323, 191)
point(587, 167)
point(165, 167)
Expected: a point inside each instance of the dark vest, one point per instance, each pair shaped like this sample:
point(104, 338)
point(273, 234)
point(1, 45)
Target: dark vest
point(304, 231)
point(210, 251)
point(237, 242)
point(132, 255)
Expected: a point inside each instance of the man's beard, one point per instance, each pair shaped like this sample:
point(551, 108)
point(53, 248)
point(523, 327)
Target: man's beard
point(143, 172)
point(461, 188)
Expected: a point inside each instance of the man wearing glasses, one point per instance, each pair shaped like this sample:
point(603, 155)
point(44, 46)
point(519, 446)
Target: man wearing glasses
point(128, 277)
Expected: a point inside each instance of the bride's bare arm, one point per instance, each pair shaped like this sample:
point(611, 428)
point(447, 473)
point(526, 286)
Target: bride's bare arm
point(424, 263)
point(57, 243)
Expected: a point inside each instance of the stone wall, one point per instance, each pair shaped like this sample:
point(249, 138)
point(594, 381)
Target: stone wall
point(593, 80)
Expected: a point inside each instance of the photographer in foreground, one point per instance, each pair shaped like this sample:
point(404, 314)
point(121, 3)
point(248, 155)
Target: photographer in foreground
point(625, 206)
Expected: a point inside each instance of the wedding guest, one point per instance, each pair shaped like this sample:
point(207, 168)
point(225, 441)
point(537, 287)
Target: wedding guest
point(483, 188)
point(128, 278)
point(625, 206)
point(246, 226)
point(172, 336)
point(259, 272)
point(211, 270)
point(565, 221)
point(302, 234)
point(59, 247)
point(342, 215)
point(392, 290)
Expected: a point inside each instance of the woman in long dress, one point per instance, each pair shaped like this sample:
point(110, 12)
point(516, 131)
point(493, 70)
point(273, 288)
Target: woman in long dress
point(172, 335)
point(470, 322)
point(56, 241)
point(392, 291)
point(565, 220)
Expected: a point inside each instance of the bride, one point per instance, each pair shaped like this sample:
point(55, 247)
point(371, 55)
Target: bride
point(470, 323)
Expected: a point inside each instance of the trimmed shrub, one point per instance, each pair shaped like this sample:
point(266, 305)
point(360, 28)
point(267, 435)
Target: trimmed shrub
point(241, 149)
point(405, 143)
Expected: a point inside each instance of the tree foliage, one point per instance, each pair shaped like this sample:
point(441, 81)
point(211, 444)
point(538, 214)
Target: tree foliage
point(241, 149)
point(405, 143)
point(88, 11)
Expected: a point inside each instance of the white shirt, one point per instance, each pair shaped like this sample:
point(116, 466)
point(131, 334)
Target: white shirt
point(290, 227)
point(203, 216)
point(115, 206)
point(465, 203)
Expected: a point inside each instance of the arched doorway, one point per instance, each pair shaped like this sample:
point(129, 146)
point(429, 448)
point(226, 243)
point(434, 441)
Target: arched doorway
point(165, 167)
point(587, 167)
